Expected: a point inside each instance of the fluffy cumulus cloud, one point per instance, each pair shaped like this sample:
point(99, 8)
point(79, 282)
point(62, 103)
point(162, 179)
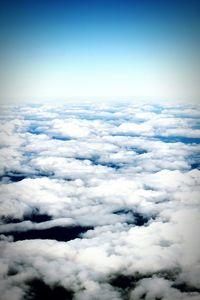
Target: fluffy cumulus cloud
point(99, 201)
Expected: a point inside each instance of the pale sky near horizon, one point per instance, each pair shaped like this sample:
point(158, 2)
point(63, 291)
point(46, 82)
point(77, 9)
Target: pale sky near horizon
point(62, 49)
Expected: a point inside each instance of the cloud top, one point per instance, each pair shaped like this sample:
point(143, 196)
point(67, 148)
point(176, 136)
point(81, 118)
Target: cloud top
point(100, 202)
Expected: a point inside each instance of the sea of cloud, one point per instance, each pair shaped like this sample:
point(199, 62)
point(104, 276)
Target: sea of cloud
point(100, 201)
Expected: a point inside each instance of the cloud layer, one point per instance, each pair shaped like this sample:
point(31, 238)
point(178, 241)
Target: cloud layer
point(100, 201)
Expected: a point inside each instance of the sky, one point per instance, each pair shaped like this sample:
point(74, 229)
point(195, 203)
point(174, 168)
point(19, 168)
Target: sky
point(65, 49)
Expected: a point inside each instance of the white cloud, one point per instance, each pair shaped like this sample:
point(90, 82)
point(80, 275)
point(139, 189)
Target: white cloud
point(107, 167)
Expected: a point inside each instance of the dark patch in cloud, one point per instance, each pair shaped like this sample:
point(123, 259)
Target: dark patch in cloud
point(16, 177)
point(96, 161)
point(148, 187)
point(61, 138)
point(111, 165)
point(35, 131)
point(14, 269)
point(125, 283)
point(9, 220)
point(81, 158)
point(39, 290)
point(195, 166)
point(138, 150)
point(126, 134)
point(178, 139)
point(185, 288)
point(36, 217)
point(62, 234)
point(168, 274)
point(13, 177)
point(134, 217)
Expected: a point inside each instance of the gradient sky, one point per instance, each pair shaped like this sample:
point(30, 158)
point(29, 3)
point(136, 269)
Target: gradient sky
point(61, 49)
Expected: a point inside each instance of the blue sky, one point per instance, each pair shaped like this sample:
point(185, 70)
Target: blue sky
point(62, 49)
